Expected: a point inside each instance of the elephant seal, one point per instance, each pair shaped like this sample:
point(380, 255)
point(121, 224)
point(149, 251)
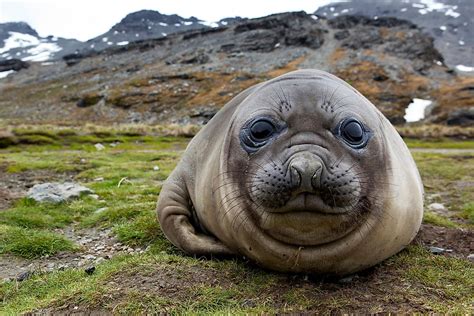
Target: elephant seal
point(300, 174)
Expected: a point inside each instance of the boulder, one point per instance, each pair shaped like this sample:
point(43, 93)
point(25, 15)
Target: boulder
point(462, 117)
point(13, 64)
point(57, 192)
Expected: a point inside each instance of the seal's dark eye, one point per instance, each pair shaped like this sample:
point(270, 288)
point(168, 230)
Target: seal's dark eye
point(262, 130)
point(353, 133)
point(258, 132)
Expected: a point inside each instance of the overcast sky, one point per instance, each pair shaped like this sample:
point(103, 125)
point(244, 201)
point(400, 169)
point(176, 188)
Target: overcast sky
point(85, 19)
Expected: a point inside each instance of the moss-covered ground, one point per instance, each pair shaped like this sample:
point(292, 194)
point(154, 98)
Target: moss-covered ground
point(127, 176)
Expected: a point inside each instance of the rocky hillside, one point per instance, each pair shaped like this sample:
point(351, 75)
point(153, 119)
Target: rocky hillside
point(449, 22)
point(186, 77)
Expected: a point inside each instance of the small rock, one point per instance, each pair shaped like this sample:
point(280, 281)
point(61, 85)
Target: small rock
point(57, 192)
point(24, 276)
point(94, 196)
point(347, 279)
point(249, 303)
point(156, 168)
point(471, 257)
point(436, 250)
point(434, 196)
point(99, 179)
point(436, 207)
point(115, 144)
point(62, 267)
point(90, 270)
point(100, 210)
point(99, 146)
point(90, 257)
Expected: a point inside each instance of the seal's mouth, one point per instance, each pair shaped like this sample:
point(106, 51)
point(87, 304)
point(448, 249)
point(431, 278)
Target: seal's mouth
point(309, 202)
point(306, 220)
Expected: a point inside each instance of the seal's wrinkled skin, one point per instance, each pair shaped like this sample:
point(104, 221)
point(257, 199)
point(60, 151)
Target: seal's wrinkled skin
point(300, 173)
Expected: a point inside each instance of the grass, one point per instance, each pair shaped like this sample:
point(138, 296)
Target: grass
point(468, 211)
point(438, 220)
point(163, 279)
point(441, 143)
point(29, 243)
point(445, 284)
point(448, 177)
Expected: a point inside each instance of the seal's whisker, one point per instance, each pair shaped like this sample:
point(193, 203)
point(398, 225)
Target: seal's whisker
point(233, 205)
point(230, 172)
point(335, 105)
point(341, 106)
point(229, 183)
point(333, 92)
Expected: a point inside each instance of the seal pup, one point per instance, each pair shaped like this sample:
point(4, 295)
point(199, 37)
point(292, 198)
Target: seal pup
point(300, 174)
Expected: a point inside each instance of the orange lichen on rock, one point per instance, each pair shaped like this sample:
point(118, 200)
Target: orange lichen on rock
point(453, 95)
point(216, 89)
point(338, 54)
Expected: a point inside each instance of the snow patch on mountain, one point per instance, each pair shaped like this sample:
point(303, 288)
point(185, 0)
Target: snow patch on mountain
point(18, 40)
point(416, 110)
point(4, 74)
point(42, 52)
point(464, 68)
point(210, 24)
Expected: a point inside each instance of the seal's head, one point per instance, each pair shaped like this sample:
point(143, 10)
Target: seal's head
point(313, 178)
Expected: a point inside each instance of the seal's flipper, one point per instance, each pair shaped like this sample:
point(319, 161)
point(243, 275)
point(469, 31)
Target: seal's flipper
point(176, 219)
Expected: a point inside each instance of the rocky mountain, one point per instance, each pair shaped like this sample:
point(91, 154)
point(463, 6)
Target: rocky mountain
point(186, 77)
point(449, 22)
point(18, 40)
point(143, 25)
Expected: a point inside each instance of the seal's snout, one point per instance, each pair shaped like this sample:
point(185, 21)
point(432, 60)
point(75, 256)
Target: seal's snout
point(306, 173)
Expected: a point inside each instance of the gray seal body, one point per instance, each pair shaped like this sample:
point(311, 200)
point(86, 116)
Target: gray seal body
point(300, 174)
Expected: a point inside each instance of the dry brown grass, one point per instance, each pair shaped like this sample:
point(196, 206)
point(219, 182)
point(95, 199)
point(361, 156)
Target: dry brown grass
point(452, 95)
point(292, 65)
point(217, 89)
point(9, 133)
point(433, 131)
point(338, 54)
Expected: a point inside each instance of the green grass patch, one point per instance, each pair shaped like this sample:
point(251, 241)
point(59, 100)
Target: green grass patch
point(28, 243)
point(447, 175)
point(438, 220)
point(439, 143)
point(468, 211)
point(127, 184)
point(30, 214)
point(142, 230)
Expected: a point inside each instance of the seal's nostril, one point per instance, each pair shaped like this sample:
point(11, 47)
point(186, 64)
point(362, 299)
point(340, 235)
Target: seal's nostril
point(295, 176)
point(316, 178)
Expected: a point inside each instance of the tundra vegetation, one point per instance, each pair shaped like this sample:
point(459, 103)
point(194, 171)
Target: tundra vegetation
point(126, 177)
